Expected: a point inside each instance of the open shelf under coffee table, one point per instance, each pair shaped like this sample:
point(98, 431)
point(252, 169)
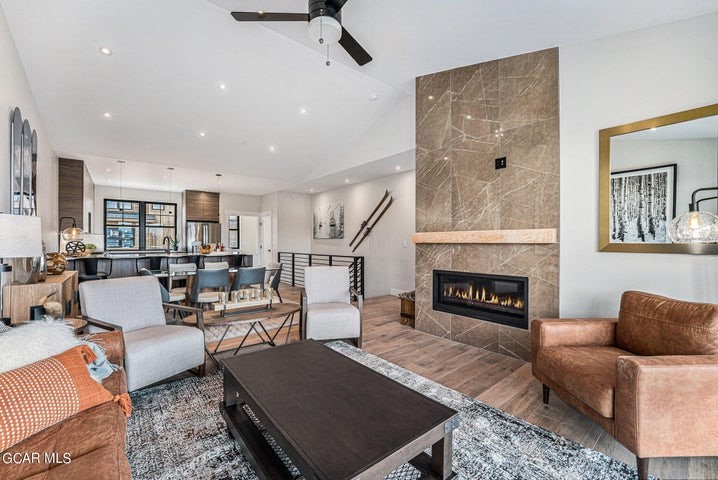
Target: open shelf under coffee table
point(333, 417)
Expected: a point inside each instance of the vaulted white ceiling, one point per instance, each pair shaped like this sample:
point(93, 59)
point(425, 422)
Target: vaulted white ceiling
point(169, 56)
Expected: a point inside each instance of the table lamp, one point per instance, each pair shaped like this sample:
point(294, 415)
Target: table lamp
point(21, 243)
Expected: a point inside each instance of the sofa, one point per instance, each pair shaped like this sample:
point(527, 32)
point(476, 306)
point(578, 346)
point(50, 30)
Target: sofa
point(88, 445)
point(649, 377)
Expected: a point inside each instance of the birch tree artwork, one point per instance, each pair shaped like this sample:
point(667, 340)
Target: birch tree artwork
point(642, 202)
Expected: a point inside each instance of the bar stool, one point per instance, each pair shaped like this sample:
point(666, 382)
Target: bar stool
point(90, 269)
point(155, 263)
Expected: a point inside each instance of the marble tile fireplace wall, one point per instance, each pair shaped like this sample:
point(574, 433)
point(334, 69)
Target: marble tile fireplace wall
point(465, 119)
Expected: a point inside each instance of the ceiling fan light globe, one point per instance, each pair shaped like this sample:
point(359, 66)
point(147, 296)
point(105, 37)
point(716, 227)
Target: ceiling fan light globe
point(326, 28)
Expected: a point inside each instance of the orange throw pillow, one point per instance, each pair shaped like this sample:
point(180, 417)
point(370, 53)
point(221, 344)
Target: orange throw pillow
point(39, 395)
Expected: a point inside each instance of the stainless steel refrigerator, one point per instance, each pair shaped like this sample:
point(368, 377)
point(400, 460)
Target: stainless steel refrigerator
point(199, 233)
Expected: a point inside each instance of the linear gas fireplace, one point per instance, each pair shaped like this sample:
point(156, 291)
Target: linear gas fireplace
point(494, 298)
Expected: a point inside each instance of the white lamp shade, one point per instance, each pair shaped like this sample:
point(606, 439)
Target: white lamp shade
point(20, 236)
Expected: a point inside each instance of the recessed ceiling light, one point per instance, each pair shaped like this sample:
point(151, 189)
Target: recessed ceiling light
point(303, 111)
point(311, 189)
point(105, 51)
point(373, 97)
point(272, 148)
point(222, 86)
point(446, 158)
point(653, 129)
point(202, 134)
point(468, 117)
point(260, 12)
point(398, 167)
point(108, 169)
point(346, 180)
point(107, 115)
point(431, 97)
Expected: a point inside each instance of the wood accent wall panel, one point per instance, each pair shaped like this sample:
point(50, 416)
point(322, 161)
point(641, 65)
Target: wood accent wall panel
point(201, 206)
point(211, 207)
point(70, 191)
point(194, 206)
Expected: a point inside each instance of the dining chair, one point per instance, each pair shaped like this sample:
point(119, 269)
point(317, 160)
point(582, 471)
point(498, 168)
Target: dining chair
point(275, 281)
point(174, 268)
point(208, 279)
point(247, 277)
point(168, 296)
point(216, 265)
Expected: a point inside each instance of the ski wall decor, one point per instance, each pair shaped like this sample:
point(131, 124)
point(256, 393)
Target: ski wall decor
point(366, 226)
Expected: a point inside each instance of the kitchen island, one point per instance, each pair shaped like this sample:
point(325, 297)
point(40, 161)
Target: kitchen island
point(127, 264)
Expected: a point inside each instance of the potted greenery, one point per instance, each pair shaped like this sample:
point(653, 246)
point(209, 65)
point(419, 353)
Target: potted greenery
point(175, 242)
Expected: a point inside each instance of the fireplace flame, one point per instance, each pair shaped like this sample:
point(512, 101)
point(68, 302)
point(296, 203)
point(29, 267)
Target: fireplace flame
point(483, 296)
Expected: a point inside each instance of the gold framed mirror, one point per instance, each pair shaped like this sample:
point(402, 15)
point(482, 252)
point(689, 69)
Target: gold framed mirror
point(651, 171)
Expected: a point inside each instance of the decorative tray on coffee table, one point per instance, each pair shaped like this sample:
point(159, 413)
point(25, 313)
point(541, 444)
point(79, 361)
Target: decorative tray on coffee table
point(242, 306)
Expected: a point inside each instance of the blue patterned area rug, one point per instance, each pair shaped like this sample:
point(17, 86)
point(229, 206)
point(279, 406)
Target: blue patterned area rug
point(177, 432)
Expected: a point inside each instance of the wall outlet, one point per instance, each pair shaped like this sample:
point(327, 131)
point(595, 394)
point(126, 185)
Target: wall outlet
point(500, 163)
point(404, 244)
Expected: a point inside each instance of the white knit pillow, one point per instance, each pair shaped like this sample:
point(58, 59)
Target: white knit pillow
point(33, 341)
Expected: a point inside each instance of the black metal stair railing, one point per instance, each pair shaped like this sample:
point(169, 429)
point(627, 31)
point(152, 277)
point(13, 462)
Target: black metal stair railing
point(294, 264)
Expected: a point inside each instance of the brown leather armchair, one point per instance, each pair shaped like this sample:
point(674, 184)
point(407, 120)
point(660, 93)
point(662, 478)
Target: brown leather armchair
point(649, 377)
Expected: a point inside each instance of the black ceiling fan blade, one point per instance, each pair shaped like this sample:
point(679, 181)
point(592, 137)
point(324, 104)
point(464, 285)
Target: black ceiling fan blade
point(336, 4)
point(353, 48)
point(270, 17)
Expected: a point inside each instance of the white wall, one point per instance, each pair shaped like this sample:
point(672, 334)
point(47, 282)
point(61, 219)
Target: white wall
point(239, 203)
point(88, 201)
point(291, 221)
point(388, 251)
point(269, 204)
point(15, 92)
point(294, 222)
point(696, 164)
point(609, 82)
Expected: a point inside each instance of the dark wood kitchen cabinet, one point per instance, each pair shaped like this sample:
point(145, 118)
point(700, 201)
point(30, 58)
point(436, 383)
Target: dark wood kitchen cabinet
point(201, 206)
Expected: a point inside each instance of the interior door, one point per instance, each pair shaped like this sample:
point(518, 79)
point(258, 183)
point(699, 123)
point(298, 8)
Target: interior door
point(265, 239)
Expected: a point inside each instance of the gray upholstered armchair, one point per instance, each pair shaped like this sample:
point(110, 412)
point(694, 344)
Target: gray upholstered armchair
point(327, 311)
point(153, 349)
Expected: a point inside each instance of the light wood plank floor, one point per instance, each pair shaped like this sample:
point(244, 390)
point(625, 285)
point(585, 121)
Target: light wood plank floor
point(495, 379)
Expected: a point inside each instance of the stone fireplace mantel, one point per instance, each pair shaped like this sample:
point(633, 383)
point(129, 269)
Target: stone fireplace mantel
point(526, 236)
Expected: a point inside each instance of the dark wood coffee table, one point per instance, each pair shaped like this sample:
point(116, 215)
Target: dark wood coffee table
point(333, 417)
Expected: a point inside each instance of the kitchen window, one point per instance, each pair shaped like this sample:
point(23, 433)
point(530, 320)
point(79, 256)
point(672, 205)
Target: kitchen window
point(136, 225)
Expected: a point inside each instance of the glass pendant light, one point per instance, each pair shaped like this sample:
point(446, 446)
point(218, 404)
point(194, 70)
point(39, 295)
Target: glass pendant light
point(695, 226)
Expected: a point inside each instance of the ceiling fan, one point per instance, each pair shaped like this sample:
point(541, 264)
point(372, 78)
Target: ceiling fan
point(325, 27)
